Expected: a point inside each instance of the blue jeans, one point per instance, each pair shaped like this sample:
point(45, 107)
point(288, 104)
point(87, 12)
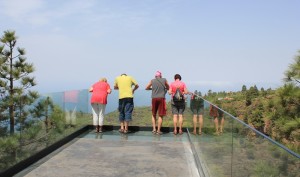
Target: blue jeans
point(125, 108)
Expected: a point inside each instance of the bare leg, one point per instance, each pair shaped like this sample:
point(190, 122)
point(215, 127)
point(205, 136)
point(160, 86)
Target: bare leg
point(180, 123)
point(195, 124)
point(200, 123)
point(175, 123)
point(122, 126)
point(222, 125)
point(159, 124)
point(216, 125)
point(126, 123)
point(153, 124)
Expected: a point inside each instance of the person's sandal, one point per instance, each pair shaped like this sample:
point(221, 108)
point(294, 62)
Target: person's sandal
point(125, 131)
point(180, 132)
point(154, 132)
point(200, 133)
point(121, 130)
point(175, 132)
point(159, 133)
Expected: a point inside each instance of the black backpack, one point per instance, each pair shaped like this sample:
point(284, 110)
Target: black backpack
point(178, 96)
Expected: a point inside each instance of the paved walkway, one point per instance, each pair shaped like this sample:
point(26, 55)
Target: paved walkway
point(116, 156)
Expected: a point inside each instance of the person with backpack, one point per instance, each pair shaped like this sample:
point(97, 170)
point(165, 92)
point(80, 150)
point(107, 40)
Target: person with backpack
point(159, 87)
point(177, 91)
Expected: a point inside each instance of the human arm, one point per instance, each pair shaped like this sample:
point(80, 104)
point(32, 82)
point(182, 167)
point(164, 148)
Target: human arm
point(108, 89)
point(167, 85)
point(170, 90)
point(116, 85)
point(185, 90)
point(149, 86)
point(136, 86)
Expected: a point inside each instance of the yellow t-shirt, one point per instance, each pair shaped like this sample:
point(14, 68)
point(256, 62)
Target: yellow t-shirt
point(125, 83)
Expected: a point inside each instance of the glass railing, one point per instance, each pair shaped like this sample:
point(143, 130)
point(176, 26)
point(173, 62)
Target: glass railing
point(238, 150)
point(33, 135)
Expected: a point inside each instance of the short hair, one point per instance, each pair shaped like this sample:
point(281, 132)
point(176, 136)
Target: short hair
point(103, 79)
point(177, 76)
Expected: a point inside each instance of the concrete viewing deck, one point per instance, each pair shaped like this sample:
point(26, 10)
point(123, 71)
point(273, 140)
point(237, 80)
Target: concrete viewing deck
point(111, 154)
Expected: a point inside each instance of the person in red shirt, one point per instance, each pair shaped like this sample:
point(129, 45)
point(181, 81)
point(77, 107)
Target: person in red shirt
point(178, 106)
point(100, 91)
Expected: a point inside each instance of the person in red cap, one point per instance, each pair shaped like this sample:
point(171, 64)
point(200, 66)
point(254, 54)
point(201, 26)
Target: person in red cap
point(159, 87)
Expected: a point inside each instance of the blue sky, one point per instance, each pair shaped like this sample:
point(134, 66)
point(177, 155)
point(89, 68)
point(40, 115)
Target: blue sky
point(218, 45)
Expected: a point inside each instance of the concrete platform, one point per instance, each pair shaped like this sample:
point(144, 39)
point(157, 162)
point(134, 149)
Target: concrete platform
point(112, 154)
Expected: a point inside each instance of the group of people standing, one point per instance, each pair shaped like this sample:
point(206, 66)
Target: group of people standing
point(160, 87)
point(126, 85)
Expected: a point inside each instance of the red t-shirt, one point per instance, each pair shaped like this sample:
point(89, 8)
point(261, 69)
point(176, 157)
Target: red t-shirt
point(99, 94)
point(174, 85)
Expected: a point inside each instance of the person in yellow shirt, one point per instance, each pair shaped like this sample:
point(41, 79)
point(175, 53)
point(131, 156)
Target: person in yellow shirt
point(124, 84)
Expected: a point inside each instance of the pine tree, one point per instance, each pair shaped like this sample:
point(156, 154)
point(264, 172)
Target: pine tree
point(244, 88)
point(15, 80)
point(293, 72)
point(42, 110)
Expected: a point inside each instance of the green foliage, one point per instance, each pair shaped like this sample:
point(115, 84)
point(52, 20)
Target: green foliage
point(248, 99)
point(289, 96)
point(9, 144)
point(8, 147)
point(293, 73)
point(15, 80)
point(42, 111)
point(58, 120)
point(31, 132)
point(265, 169)
point(289, 126)
point(273, 112)
point(244, 88)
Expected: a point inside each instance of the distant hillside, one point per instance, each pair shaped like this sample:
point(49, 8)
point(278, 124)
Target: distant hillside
point(142, 117)
point(275, 113)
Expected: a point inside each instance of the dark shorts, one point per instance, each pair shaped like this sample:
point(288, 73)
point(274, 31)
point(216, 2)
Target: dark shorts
point(221, 114)
point(198, 111)
point(178, 108)
point(159, 105)
point(125, 108)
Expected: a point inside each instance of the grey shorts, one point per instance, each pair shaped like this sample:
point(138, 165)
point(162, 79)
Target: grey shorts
point(198, 111)
point(177, 109)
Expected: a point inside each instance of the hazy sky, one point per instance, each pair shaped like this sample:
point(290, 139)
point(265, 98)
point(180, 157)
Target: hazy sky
point(217, 44)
